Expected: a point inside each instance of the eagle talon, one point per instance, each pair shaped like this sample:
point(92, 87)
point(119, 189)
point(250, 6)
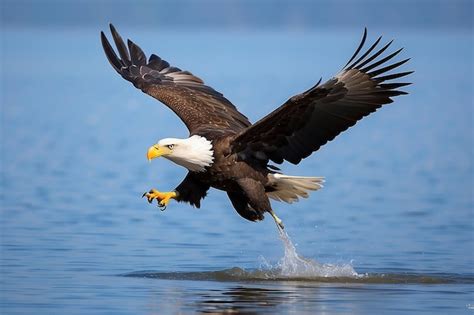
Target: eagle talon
point(162, 198)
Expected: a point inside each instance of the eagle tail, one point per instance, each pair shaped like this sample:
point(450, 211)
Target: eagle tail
point(290, 188)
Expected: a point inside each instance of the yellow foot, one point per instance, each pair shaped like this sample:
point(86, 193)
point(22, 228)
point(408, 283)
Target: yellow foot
point(277, 220)
point(163, 198)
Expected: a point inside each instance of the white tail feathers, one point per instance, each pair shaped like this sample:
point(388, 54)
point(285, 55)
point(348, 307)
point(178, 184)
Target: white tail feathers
point(290, 188)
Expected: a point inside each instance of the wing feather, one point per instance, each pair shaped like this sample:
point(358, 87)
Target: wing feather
point(309, 120)
point(199, 106)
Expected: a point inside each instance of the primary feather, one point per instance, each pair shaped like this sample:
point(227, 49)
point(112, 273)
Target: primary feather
point(309, 120)
point(199, 106)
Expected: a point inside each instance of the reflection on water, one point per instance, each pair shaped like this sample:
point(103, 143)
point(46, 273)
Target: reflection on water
point(299, 297)
point(240, 299)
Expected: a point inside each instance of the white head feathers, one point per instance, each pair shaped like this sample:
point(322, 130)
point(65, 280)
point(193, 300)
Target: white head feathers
point(194, 153)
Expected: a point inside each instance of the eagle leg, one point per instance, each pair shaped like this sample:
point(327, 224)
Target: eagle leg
point(278, 221)
point(256, 198)
point(162, 198)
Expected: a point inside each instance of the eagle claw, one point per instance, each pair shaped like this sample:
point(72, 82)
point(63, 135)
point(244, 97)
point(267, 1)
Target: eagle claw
point(162, 198)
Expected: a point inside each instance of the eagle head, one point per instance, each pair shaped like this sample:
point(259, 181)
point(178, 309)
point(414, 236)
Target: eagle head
point(194, 153)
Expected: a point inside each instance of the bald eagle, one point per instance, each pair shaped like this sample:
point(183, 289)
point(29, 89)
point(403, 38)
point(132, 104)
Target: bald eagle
point(227, 152)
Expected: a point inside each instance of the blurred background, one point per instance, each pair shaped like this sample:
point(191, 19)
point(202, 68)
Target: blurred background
point(74, 134)
point(248, 15)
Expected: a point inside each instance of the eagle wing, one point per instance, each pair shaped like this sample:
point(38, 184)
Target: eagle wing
point(309, 120)
point(199, 106)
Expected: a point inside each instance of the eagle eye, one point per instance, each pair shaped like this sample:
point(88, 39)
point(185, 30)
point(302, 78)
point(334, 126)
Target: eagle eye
point(170, 146)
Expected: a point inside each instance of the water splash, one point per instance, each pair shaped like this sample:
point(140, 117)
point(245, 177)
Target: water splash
point(293, 265)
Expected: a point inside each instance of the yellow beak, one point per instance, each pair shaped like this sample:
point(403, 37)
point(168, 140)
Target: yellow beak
point(155, 151)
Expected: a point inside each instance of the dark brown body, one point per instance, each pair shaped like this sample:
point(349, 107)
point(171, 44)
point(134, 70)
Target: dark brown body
point(246, 183)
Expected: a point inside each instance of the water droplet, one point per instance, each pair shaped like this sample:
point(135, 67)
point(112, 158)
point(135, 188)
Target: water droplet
point(295, 266)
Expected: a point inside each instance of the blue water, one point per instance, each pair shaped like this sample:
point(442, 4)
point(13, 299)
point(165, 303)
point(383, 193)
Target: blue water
point(77, 238)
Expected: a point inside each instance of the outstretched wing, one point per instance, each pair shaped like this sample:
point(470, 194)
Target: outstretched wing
point(308, 120)
point(199, 106)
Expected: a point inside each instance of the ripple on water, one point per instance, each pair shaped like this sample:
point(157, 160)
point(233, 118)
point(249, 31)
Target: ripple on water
point(293, 267)
point(237, 274)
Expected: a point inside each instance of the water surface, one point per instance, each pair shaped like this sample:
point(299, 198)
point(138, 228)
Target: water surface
point(395, 215)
